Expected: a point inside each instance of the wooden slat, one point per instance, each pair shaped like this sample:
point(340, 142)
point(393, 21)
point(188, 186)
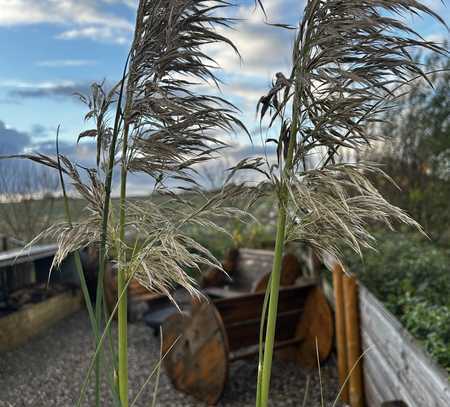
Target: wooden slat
point(20, 256)
point(381, 384)
point(341, 337)
point(352, 336)
point(254, 350)
point(220, 292)
point(414, 377)
point(371, 392)
point(246, 333)
point(396, 367)
point(250, 306)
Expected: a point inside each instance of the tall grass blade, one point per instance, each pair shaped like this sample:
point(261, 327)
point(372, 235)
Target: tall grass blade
point(306, 395)
point(261, 341)
point(104, 225)
point(322, 402)
point(158, 372)
point(79, 269)
point(349, 374)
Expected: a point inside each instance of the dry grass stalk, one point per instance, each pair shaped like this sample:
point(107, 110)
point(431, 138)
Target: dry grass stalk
point(349, 63)
point(163, 128)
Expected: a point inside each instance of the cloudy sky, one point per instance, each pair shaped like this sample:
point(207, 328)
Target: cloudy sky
point(53, 48)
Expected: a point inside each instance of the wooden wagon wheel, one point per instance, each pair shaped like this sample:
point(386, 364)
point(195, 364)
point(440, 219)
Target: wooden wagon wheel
point(290, 271)
point(198, 362)
point(316, 322)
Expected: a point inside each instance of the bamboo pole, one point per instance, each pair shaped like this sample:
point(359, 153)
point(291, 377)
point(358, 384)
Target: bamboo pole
point(352, 329)
point(341, 340)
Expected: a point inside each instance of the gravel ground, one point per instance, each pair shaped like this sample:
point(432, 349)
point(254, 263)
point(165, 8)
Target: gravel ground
point(49, 371)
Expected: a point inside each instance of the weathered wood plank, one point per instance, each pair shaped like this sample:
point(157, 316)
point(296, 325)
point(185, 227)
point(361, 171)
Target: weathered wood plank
point(249, 306)
point(371, 392)
point(341, 334)
point(396, 367)
point(353, 339)
point(246, 333)
point(19, 256)
point(416, 378)
point(17, 328)
point(380, 373)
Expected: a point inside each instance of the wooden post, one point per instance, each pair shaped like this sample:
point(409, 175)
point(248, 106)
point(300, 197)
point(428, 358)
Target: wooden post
point(4, 243)
point(341, 340)
point(350, 290)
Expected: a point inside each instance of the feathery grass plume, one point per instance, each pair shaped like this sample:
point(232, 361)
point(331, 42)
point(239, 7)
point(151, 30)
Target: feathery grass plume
point(107, 139)
point(171, 126)
point(164, 128)
point(351, 60)
point(168, 129)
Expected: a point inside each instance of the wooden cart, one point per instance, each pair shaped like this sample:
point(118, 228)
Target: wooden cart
point(225, 328)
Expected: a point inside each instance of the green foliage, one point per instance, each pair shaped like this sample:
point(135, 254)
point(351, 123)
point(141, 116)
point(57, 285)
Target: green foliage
point(418, 156)
point(411, 275)
point(430, 324)
point(258, 234)
point(216, 243)
point(255, 235)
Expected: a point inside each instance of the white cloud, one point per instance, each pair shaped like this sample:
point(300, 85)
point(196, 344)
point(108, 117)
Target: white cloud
point(39, 85)
point(130, 3)
point(264, 49)
point(87, 15)
point(247, 92)
point(107, 34)
point(61, 63)
point(439, 38)
point(34, 85)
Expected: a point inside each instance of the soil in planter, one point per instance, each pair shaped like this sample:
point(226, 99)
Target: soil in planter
point(27, 296)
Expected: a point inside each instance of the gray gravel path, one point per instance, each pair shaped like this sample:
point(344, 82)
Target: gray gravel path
point(49, 371)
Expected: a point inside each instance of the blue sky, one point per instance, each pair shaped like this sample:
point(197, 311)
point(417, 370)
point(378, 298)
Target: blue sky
point(52, 48)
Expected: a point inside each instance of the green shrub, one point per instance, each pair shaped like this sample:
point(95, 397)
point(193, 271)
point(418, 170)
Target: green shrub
point(430, 324)
point(411, 276)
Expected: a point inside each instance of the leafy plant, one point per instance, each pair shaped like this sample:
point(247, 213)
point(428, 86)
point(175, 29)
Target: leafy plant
point(349, 60)
point(418, 154)
point(411, 276)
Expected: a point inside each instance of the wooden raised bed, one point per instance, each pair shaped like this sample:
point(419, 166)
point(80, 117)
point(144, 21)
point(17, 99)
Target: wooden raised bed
point(29, 302)
point(19, 326)
point(395, 368)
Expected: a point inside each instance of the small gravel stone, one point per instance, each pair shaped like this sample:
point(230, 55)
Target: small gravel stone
point(50, 369)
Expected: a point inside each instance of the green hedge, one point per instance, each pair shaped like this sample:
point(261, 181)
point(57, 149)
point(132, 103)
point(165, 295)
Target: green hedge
point(411, 276)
